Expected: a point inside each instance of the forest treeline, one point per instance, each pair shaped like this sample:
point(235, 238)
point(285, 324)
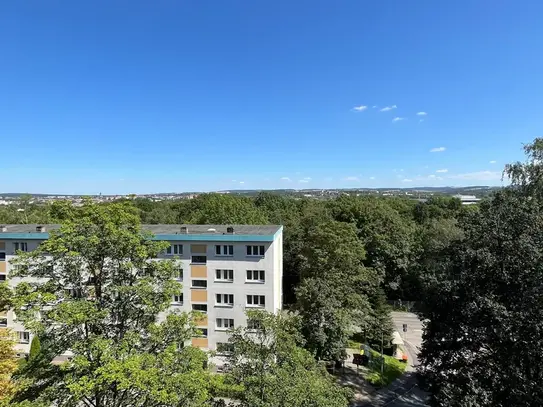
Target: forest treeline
point(396, 237)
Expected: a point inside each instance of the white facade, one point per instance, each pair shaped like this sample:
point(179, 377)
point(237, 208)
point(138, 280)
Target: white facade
point(197, 257)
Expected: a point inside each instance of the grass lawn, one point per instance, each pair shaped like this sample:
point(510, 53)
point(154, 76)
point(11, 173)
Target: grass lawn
point(393, 369)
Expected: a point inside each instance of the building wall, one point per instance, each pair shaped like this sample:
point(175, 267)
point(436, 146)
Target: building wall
point(239, 262)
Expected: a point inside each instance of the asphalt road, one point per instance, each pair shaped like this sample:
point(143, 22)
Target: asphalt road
point(414, 396)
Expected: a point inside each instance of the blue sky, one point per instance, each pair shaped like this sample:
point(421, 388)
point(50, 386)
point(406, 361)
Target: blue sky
point(123, 96)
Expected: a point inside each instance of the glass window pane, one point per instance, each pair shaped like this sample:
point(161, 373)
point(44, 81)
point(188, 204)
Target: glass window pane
point(262, 250)
point(231, 250)
point(249, 275)
point(248, 250)
point(230, 274)
point(217, 249)
point(249, 299)
point(262, 275)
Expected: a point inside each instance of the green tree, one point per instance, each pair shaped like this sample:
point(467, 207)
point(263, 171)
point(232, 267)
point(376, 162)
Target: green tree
point(274, 370)
point(387, 236)
point(8, 366)
point(482, 342)
point(221, 209)
point(35, 348)
point(333, 295)
point(97, 293)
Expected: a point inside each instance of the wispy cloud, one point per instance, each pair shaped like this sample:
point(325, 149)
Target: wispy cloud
point(375, 106)
point(443, 170)
point(352, 178)
point(407, 180)
point(437, 149)
point(372, 178)
point(360, 108)
point(493, 162)
point(397, 119)
point(305, 180)
point(285, 179)
point(422, 114)
point(242, 182)
point(388, 108)
point(479, 176)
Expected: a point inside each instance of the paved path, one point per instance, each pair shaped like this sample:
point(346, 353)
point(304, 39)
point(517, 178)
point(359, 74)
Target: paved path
point(404, 392)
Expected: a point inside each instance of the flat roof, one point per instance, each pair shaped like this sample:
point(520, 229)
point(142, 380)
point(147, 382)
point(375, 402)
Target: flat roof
point(165, 232)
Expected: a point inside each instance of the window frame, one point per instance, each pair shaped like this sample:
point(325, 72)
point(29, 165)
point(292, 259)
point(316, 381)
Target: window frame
point(18, 246)
point(260, 250)
point(24, 335)
point(178, 274)
point(229, 350)
point(252, 304)
point(224, 250)
point(172, 248)
point(224, 326)
point(222, 303)
point(198, 287)
point(200, 257)
point(222, 273)
point(2, 325)
point(3, 277)
point(252, 280)
point(176, 301)
point(198, 310)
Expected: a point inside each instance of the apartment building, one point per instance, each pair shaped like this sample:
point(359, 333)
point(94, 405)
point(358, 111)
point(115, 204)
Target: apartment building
point(225, 270)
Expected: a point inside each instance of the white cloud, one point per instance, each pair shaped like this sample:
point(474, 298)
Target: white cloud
point(372, 177)
point(351, 178)
point(493, 162)
point(242, 182)
point(285, 179)
point(443, 170)
point(375, 107)
point(388, 108)
point(360, 108)
point(397, 119)
point(422, 114)
point(479, 176)
point(305, 180)
point(431, 176)
point(437, 149)
point(407, 180)
point(234, 180)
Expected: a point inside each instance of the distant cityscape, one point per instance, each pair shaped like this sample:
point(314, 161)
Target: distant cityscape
point(470, 194)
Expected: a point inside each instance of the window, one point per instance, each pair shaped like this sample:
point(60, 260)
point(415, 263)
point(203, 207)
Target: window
point(200, 307)
point(255, 250)
point(256, 276)
point(225, 300)
point(2, 256)
point(178, 299)
point(224, 275)
point(22, 246)
point(3, 277)
point(3, 322)
point(203, 332)
point(224, 250)
point(24, 337)
point(199, 259)
point(225, 348)
point(174, 249)
point(222, 324)
point(177, 274)
point(256, 301)
point(199, 284)
point(253, 324)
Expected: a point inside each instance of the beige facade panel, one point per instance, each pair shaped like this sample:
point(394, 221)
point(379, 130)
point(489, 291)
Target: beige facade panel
point(199, 342)
point(198, 271)
point(198, 249)
point(198, 295)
